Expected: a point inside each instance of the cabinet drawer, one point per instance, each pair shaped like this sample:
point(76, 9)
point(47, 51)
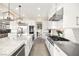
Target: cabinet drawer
point(51, 50)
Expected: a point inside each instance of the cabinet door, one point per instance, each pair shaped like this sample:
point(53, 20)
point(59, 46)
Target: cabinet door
point(71, 12)
point(27, 49)
point(48, 45)
point(30, 43)
point(51, 50)
point(58, 51)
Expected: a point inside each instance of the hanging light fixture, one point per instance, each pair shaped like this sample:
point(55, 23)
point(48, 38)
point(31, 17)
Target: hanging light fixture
point(8, 17)
point(9, 11)
point(20, 17)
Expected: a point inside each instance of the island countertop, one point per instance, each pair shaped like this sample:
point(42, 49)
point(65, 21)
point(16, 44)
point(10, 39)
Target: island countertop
point(69, 48)
point(8, 46)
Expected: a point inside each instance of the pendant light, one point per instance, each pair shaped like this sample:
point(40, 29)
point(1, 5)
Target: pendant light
point(20, 17)
point(8, 17)
point(9, 11)
point(6, 21)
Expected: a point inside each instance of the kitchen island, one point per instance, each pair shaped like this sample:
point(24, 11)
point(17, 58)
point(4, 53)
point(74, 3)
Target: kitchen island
point(69, 48)
point(8, 46)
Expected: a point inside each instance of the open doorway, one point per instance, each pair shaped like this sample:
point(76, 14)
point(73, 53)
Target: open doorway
point(39, 29)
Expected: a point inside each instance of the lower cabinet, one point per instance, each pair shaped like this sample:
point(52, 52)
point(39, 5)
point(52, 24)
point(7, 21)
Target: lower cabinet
point(26, 49)
point(47, 44)
point(54, 50)
point(58, 51)
point(50, 47)
point(28, 46)
point(51, 50)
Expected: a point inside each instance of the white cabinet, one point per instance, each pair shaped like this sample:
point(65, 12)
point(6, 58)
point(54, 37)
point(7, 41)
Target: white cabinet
point(47, 44)
point(54, 50)
point(28, 46)
point(58, 51)
point(51, 49)
point(26, 49)
point(71, 11)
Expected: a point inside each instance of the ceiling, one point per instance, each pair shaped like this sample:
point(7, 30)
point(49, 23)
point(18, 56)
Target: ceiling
point(32, 11)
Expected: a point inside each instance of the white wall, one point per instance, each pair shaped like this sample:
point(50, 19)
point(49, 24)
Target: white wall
point(68, 33)
point(71, 11)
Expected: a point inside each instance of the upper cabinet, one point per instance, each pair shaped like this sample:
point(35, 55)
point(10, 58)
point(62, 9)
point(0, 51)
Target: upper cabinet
point(71, 15)
point(68, 13)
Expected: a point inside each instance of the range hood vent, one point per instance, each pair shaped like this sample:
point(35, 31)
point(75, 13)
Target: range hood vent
point(57, 16)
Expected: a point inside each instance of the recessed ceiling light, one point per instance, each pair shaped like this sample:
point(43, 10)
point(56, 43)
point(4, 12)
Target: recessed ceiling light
point(16, 9)
point(39, 15)
point(23, 15)
point(3, 22)
point(0, 9)
point(38, 8)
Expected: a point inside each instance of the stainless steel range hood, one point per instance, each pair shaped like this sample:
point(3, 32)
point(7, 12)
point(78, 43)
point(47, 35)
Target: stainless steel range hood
point(57, 16)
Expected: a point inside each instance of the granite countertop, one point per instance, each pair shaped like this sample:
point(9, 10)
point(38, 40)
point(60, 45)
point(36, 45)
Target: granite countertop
point(8, 46)
point(69, 48)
